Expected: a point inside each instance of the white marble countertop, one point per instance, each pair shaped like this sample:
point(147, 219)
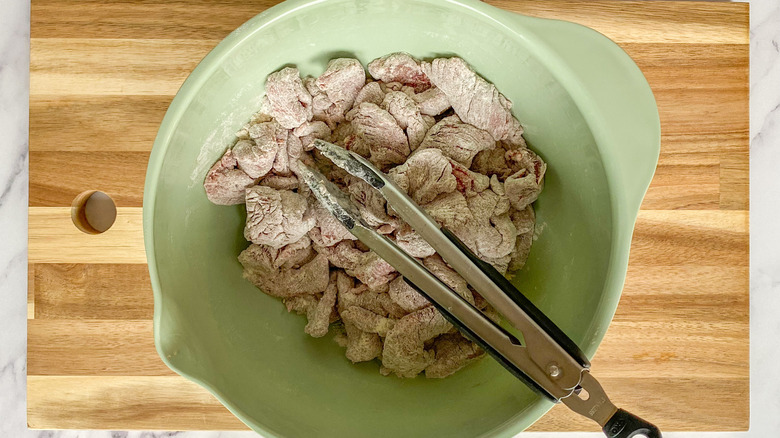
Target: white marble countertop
point(764, 237)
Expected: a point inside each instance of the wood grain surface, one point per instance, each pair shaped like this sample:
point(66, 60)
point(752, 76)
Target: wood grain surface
point(102, 76)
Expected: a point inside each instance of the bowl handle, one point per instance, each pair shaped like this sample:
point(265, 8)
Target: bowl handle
point(612, 94)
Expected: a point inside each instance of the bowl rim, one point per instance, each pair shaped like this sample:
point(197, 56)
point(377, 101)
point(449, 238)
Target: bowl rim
point(520, 26)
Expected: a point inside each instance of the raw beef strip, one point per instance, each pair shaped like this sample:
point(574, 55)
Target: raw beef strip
point(320, 104)
point(342, 81)
point(505, 243)
point(310, 278)
point(448, 276)
point(309, 131)
point(429, 122)
point(295, 254)
point(524, 219)
point(502, 206)
point(425, 175)
point(270, 141)
point(524, 186)
point(289, 102)
point(280, 182)
point(288, 155)
point(405, 111)
point(393, 310)
point(406, 296)
point(301, 304)
point(432, 101)
point(492, 222)
point(457, 140)
point(331, 231)
point(344, 135)
point(475, 100)
point(453, 352)
point(367, 267)
point(370, 203)
point(519, 254)
point(490, 233)
point(342, 131)
point(294, 154)
point(275, 217)
point(492, 162)
point(361, 346)
point(226, 185)
point(501, 264)
point(404, 350)
point(367, 320)
point(282, 162)
point(372, 93)
point(320, 316)
point(258, 117)
point(378, 128)
point(359, 296)
point(253, 159)
point(469, 183)
point(450, 209)
point(268, 260)
point(307, 305)
point(399, 67)
point(411, 242)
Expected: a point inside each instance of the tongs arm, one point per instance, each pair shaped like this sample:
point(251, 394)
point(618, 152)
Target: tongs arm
point(549, 362)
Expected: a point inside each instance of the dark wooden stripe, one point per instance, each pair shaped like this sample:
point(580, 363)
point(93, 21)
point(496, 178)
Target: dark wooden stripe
point(56, 178)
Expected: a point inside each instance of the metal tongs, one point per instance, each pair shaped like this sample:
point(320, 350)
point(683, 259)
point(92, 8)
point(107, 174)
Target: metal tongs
point(547, 360)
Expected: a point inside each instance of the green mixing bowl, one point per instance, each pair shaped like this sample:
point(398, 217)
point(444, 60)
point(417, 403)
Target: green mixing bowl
point(586, 109)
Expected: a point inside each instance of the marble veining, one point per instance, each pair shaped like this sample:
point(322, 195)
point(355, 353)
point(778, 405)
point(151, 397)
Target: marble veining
point(764, 241)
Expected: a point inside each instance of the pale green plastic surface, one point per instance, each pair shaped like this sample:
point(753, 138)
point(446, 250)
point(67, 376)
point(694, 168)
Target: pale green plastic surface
point(587, 110)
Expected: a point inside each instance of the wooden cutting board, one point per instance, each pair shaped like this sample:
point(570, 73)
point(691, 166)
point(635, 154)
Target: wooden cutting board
point(102, 76)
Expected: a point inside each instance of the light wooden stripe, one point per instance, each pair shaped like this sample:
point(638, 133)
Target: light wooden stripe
point(684, 186)
point(707, 413)
point(158, 67)
point(92, 291)
point(692, 66)
point(690, 237)
point(624, 22)
point(84, 291)
point(661, 238)
point(56, 178)
point(96, 348)
point(669, 321)
point(54, 239)
point(662, 345)
point(145, 403)
point(30, 291)
point(176, 404)
point(87, 66)
point(686, 180)
point(639, 22)
point(67, 122)
point(695, 282)
point(735, 180)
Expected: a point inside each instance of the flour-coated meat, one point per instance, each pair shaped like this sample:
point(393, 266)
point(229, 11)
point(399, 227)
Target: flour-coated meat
point(276, 217)
point(402, 68)
point(225, 184)
point(288, 100)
